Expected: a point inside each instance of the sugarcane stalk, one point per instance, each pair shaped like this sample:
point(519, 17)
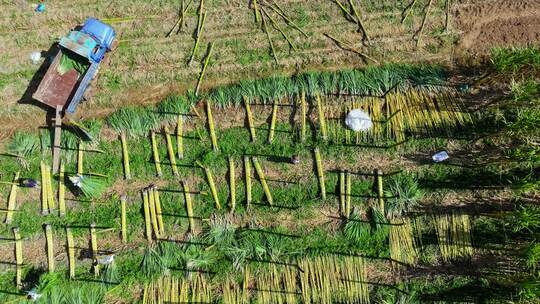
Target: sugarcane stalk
point(44, 196)
point(380, 190)
point(147, 224)
point(157, 201)
point(153, 213)
point(180, 136)
point(407, 11)
point(213, 189)
point(419, 34)
point(170, 151)
point(349, 47)
point(320, 173)
point(71, 253)
point(93, 245)
point(155, 154)
point(50, 193)
point(189, 206)
point(257, 13)
point(250, 119)
point(211, 126)
point(262, 179)
point(18, 257)
point(12, 200)
point(342, 193)
point(125, 155)
point(123, 219)
point(62, 191)
point(280, 12)
point(303, 119)
point(80, 153)
point(50, 248)
point(273, 122)
point(322, 120)
point(277, 27)
point(447, 17)
point(269, 39)
point(247, 172)
point(232, 184)
point(359, 21)
point(344, 9)
point(348, 198)
point(205, 66)
point(197, 39)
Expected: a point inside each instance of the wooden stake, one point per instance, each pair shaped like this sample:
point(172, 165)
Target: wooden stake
point(71, 253)
point(180, 136)
point(123, 219)
point(273, 122)
point(189, 207)
point(125, 156)
point(62, 191)
point(50, 247)
point(320, 173)
point(170, 151)
point(93, 245)
point(247, 172)
point(232, 184)
point(250, 119)
point(12, 200)
point(155, 153)
point(211, 127)
point(18, 257)
point(262, 179)
point(147, 224)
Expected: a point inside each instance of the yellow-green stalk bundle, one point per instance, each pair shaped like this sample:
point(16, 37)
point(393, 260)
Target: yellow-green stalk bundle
point(273, 122)
point(454, 236)
point(80, 154)
point(320, 173)
point(342, 197)
point(303, 118)
point(278, 28)
point(147, 221)
point(251, 123)
point(211, 127)
point(403, 246)
point(170, 150)
point(205, 66)
point(18, 257)
point(94, 247)
point(70, 244)
point(125, 155)
point(189, 207)
point(232, 184)
point(159, 214)
point(44, 196)
point(348, 197)
point(380, 190)
point(123, 219)
point(153, 213)
point(212, 185)
point(257, 12)
point(12, 199)
point(265, 26)
point(359, 21)
point(200, 26)
point(180, 136)
point(50, 248)
point(322, 119)
point(262, 179)
point(247, 173)
point(200, 290)
point(50, 192)
point(155, 154)
point(62, 191)
point(167, 289)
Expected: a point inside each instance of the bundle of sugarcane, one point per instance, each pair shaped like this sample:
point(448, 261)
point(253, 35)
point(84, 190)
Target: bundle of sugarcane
point(12, 199)
point(211, 184)
point(273, 122)
point(320, 173)
point(80, 154)
point(403, 246)
point(303, 116)
point(251, 123)
point(189, 206)
point(180, 136)
point(211, 127)
point(262, 179)
point(198, 33)
point(153, 213)
point(181, 21)
point(322, 120)
point(418, 34)
point(355, 16)
point(232, 184)
point(166, 289)
point(454, 236)
point(345, 45)
point(232, 293)
point(205, 66)
point(47, 194)
point(91, 186)
point(159, 213)
point(170, 151)
point(200, 290)
point(147, 219)
point(61, 191)
point(155, 154)
point(125, 155)
point(247, 174)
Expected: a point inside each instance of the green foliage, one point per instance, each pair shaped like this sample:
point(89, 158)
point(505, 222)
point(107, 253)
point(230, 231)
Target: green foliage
point(407, 191)
point(90, 186)
point(525, 219)
point(362, 231)
point(514, 59)
point(172, 106)
point(24, 144)
point(527, 91)
point(135, 121)
point(532, 254)
point(71, 61)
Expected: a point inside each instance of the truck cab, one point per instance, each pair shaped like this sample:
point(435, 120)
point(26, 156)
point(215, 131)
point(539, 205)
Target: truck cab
point(75, 65)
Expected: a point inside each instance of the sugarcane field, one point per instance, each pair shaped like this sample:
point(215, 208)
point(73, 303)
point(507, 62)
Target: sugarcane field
point(270, 151)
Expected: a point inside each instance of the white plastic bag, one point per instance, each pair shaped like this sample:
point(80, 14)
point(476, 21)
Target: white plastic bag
point(358, 120)
point(440, 156)
point(35, 57)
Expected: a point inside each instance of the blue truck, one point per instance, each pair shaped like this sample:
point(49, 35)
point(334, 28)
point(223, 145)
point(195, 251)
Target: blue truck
point(75, 65)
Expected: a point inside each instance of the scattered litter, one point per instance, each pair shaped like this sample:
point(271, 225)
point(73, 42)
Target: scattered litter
point(35, 57)
point(33, 295)
point(40, 8)
point(76, 180)
point(358, 120)
point(295, 160)
point(106, 260)
point(440, 156)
